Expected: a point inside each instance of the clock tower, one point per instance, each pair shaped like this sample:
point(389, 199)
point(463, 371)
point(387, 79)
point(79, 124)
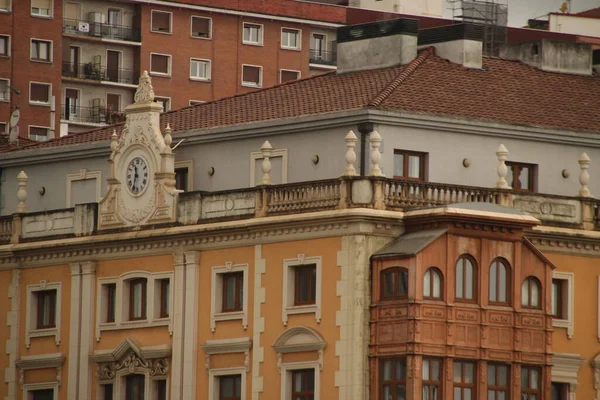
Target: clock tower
point(141, 183)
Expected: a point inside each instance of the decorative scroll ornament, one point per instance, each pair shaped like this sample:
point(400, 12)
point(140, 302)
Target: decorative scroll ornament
point(145, 91)
point(160, 367)
point(105, 372)
point(131, 362)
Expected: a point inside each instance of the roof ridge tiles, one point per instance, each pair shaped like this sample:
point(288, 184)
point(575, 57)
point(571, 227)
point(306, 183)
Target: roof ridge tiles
point(401, 77)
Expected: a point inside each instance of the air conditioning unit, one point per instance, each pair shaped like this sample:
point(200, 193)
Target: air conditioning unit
point(83, 27)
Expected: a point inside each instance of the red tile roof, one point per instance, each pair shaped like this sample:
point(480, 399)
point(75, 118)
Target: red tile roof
point(503, 91)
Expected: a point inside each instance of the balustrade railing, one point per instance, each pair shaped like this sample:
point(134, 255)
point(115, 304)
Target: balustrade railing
point(5, 229)
point(91, 115)
point(322, 57)
point(98, 29)
point(318, 195)
point(97, 72)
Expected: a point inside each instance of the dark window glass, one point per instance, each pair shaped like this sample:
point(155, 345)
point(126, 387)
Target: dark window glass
point(393, 379)
point(134, 389)
point(432, 284)
point(165, 289)
point(466, 276)
point(201, 27)
point(159, 64)
point(137, 299)
point(305, 279)
point(46, 309)
point(499, 282)
point(559, 391)
point(43, 394)
point(464, 380)
point(161, 389)
point(498, 382)
point(530, 383)
point(558, 286)
point(303, 384)
point(107, 392)
point(251, 75)
point(287, 76)
point(233, 291)
point(409, 165)
point(230, 387)
point(181, 179)
point(395, 283)
point(521, 176)
point(111, 292)
point(432, 379)
point(530, 293)
point(40, 93)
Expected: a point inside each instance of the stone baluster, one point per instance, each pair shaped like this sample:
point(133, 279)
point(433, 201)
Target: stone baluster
point(22, 192)
point(502, 154)
point(351, 140)
point(375, 154)
point(584, 177)
point(168, 138)
point(266, 150)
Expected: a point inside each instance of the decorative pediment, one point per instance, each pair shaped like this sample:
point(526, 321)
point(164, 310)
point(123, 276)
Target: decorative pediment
point(44, 361)
point(226, 346)
point(299, 338)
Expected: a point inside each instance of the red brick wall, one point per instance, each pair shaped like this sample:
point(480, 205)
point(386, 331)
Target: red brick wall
point(226, 52)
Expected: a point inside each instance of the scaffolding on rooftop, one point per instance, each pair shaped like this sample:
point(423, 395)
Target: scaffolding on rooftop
point(491, 14)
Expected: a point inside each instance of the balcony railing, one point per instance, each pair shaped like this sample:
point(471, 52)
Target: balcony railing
point(100, 30)
point(91, 115)
point(98, 72)
point(323, 57)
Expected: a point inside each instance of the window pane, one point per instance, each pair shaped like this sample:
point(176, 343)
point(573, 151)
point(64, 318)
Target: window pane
point(435, 370)
point(230, 292)
point(524, 378)
point(387, 370)
point(503, 375)
point(502, 279)
point(389, 282)
point(535, 294)
point(137, 300)
point(468, 373)
point(437, 285)
point(427, 284)
point(398, 165)
point(534, 378)
point(469, 278)
point(401, 369)
point(491, 375)
point(414, 166)
point(525, 293)
point(491, 395)
point(425, 370)
point(403, 283)
point(555, 297)
point(400, 392)
point(387, 393)
point(467, 394)
point(457, 372)
point(240, 289)
point(493, 277)
point(524, 177)
point(459, 279)
point(457, 394)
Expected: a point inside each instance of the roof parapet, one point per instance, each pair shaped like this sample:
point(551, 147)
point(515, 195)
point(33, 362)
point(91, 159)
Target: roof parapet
point(458, 43)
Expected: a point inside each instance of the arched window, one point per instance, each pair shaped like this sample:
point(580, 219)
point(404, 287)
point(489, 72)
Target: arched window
point(432, 284)
point(499, 282)
point(394, 283)
point(530, 293)
point(466, 276)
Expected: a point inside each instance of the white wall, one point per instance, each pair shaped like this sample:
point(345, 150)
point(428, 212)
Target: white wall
point(575, 25)
point(434, 8)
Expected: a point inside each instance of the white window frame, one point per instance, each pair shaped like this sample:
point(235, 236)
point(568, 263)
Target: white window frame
point(261, 34)
point(7, 99)
point(39, 103)
point(50, 11)
point(8, 9)
point(216, 299)
point(298, 47)
point(215, 374)
point(37, 126)
point(289, 70)
point(257, 155)
point(260, 77)
point(168, 102)
point(31, 330)
point(4, 128)
point(84, 175)
point(208, 69)
point(8, 45)
point(210, 25)
point(189, 164)
point(568, 322)
point(286, 377)
point(170, 32)
point(122, 302)
point(30, 387)
point(169, 64)
point(288, 307)
point(50, 50)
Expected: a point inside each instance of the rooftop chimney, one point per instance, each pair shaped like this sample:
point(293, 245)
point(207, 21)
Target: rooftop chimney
point(458, 43)
point(552, 55)
point(375, 45)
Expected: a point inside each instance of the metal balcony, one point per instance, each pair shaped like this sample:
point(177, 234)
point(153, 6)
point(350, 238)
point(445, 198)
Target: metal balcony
point(98, 72)
point(323, 57)
point(100, 30)
point(91, 115)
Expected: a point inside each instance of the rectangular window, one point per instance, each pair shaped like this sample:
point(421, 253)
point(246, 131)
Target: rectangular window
point(46, 309)
point(160, 64)
point(432, 379)
point(393, 379)
point(165, 101)
point(165, 289)
point(137, 299)
point(201, 27)
point(290, 38)
point(230, 387)
point(111, 297)
point(42, 394)
point(251, 76)
point(409, 165)
point(303, 384)
point(521, 176)
point(160, 389)
point(464, 380)
point(4, 91)
point(161, 21)
point(38, 133)
point(181, 178)
point(134, 387)
point(394, 283)
point(559, 391)
point(289, 75)
point(497, 388)
point(3, 128)
point(5, 5)
point(39, 93)
point(107, 392)
point(114, 17)
point(41, 50)
point(530, 383)
point(253, 34)
point(4, 45)
point(557, 298)
point(199, 69)
point(233, 291)
point(305, 279)
point(41, 8)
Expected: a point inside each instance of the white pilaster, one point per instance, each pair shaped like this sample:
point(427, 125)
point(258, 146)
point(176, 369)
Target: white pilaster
point(258, 351)
point(74, 331)
point(190, 342)
point(178, 326)
point(12, 344)
point(86, 337)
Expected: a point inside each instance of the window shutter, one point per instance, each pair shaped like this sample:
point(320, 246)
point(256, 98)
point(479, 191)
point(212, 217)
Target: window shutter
point(160, 64)
point(4, 4)
point(37, 131)
point(45, 4)
point(251, 74)
point(200, 27)
point(287, 76)
point(72, 94)
point(161, 21)
point(39, 93)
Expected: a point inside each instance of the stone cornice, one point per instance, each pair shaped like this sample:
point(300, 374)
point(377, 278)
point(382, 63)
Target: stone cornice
point(565, 241)
point(223, 346)
point(54, 360)
point(202, 236)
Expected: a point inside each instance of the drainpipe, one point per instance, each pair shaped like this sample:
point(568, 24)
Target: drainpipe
point(364, 128)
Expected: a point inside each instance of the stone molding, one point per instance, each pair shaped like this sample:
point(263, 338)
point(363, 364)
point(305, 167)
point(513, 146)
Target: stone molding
point(569, 322)
point(12, 342)
point(30, 331)
point(258, 155)
point(54, 360)
point(299, 339)
point(83, 175)
point(217, 293)
point(227, 346)
point(213, 384)
point(258, 322)
point(565, 367)
point(288, 308)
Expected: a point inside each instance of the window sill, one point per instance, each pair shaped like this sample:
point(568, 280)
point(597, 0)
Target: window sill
point(252, 43)
point(5, 11)
point(229, 316)
point(43, 332)
point(161, 32)
point(311, 308)
point(200, 79)
point(35, 103)
point(40, 60)
point(200, 37)
point(160, 74)
point(4, 100)
point(42, 16)
point(113, 326)
point(291, 48)
point(251, 85)
point(4, 55)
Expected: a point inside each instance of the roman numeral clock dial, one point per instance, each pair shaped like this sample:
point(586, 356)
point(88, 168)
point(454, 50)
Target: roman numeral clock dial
point(137, 175)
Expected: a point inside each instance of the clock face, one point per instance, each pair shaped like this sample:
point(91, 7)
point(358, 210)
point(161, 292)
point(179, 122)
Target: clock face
point(137, 175)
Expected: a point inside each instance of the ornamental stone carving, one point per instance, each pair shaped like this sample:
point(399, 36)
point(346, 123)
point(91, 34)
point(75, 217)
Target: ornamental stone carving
point(144, 92)
point(160, 367)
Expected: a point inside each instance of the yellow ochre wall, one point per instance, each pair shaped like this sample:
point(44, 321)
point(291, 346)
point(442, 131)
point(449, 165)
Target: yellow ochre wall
point(5, 307)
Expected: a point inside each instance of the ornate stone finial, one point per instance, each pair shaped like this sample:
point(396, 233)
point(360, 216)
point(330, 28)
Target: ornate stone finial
point(375, 154)
point(502, 154)
point(266, 150)
point(114, 141)
point(350, 154)
point(22, 192)
point(584, 177)
point(167, 137)
point(145, 91)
